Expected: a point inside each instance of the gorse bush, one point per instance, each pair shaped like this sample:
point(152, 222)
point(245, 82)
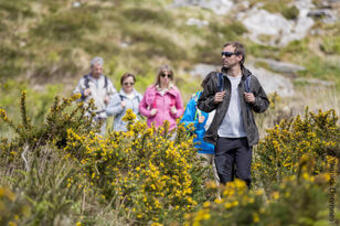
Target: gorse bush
point(53, 130)
point(238, 206)
point(150, 175)
point(31, 163)
point(307, 140)
point(61, 172)
point(142, 171)
point(294, 170)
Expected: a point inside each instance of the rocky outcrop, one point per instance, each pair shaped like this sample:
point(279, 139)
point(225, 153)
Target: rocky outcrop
point(282, 67)
point(202, 70)
point(274, 29)
point(270, 81)
point(265, 27)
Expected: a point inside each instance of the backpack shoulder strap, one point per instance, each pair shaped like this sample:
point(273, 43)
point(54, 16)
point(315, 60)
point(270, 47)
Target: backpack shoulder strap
point(247, 84)
point(220, 82)
point(86, 81)
point(105, 81)
point(121, 97)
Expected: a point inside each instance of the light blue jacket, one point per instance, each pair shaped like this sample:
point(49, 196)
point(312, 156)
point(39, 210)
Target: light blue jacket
point(191, 115)
point(115, 109)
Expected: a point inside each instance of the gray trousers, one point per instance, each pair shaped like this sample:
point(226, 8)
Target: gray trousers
point(233, 158)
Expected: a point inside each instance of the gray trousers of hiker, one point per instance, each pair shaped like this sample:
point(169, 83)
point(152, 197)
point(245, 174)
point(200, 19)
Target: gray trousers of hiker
point(233, 159)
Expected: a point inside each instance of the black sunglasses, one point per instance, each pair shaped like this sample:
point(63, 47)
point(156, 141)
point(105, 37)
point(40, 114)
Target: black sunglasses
point(128, 83)
point(166, 75)
point(228, 54)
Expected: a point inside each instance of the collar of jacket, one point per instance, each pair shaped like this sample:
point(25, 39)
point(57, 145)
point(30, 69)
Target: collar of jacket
point(172, 89)
point(121, 92)
point(244, 70)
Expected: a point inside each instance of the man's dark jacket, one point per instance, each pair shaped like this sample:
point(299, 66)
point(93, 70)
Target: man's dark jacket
point(206, 103)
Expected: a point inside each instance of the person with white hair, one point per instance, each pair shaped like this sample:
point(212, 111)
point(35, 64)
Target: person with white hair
point(98, 87)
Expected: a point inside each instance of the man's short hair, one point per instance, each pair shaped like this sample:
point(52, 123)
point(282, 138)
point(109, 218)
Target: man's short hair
point(97, 60)
point(239, 49)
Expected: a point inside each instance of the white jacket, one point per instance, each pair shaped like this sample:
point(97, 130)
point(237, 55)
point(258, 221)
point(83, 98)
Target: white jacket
point(98, 90)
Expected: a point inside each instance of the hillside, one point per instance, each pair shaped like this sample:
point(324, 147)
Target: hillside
point(56, 170)
point(46, 45)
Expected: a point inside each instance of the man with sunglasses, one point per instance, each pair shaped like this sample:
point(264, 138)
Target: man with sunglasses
point(234, 93)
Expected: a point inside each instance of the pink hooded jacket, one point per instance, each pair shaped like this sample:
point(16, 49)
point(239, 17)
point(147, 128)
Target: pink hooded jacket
point(153, 99)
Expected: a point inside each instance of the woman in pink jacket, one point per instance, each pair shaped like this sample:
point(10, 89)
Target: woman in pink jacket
point(162, 101)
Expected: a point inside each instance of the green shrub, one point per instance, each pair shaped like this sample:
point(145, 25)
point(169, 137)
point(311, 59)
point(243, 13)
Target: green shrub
point(147, 15)
point(152, 44)
point(11, 61)
point(68, 25)
point(290, 13)
point(13, 10)
point(50, 185)
point(296, 46)
point(331, 45)
point(13, 208)
point(319, 68)
point(53, 129)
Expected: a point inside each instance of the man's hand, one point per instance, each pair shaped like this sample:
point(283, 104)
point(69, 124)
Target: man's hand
point(249, 97)
point(201, 119)
point(153, 112)
point(173, 110)
point(219, 97)
point(87, 92)
point(123, 104)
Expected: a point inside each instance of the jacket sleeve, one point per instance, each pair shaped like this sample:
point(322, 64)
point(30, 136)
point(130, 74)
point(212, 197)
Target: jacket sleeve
point(80, 89)
point(261, 100)
point(189, 114)
point(206, 101)
point(179, 105)
point(114, 108)
point(143, 107)
point(111, 90)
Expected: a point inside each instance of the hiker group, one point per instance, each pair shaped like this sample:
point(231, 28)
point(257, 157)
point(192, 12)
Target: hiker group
point(222, 112)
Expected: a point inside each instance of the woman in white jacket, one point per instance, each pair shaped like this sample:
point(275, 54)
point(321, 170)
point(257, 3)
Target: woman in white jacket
point(127, 98)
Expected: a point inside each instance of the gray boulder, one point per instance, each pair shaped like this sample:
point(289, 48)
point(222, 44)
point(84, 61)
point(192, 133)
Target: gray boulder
point(272, 82)
point(202, 70)
point(282, 67)
point(277, 29)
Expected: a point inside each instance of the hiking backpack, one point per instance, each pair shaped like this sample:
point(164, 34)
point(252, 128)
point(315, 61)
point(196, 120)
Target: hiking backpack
point(87, 80)
point(220, 86)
